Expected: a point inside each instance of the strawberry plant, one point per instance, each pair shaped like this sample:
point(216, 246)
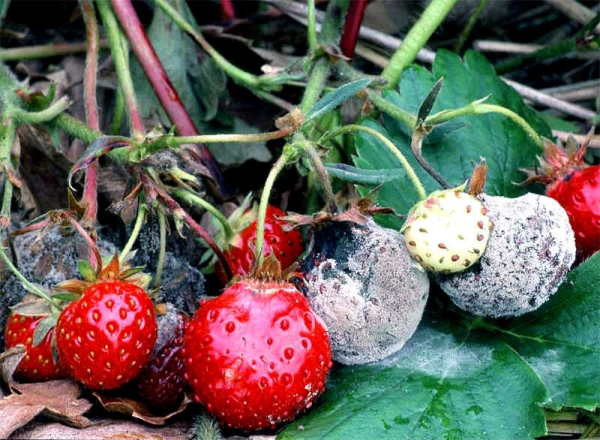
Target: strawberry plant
point(410, 306)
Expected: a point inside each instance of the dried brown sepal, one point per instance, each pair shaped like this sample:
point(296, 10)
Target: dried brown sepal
point(291, 121)
point(478, 177)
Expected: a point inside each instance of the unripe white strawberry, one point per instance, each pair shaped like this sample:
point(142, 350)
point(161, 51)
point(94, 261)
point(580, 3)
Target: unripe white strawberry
point(448, 231)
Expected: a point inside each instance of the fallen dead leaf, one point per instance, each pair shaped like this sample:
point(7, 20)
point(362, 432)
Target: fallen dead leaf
point(136, 409)
point(107, 429)
point(9, 361)
point(58, 399)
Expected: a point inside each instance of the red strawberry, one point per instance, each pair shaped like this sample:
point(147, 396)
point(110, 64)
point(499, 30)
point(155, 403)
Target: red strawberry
point(286, 245)
point(161, 382)
point(38, 364)
point(576, 186)
point(257, 355)
point(107, 335)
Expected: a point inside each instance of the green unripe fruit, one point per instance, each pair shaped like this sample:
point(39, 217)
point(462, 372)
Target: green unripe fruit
point(448, 231)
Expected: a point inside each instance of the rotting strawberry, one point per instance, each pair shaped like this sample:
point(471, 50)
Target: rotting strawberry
point(257, 355)
point(161, 382)
point(576, 186)
point(39, 363)
point(108, 334)
point(280, 239)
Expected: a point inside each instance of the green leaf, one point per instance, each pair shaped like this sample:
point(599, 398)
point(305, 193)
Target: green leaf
point(199, 83)
point(357, 175)
point(446, 383)
point(466, 378)
point(429, 101)
point(450, 149)
point(336, 98)
point(86, 270)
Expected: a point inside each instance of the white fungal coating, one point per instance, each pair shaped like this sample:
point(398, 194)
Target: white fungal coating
point(447, 232)
point(371, 295)
point(529, 254)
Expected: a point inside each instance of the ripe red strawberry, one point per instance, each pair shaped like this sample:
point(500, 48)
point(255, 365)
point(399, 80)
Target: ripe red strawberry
point(161, 382)
point(38, 364)
point(257, 355)
point(107, 335)
point(576, 186)
point(285, 245)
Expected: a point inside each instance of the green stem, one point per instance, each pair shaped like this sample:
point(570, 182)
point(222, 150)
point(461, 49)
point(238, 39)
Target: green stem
point(160, 265)
point(264, 202)
point(193, 199)
point(5, 149)
point(390, 146)
point(314, 88)
point(313, 42)
point(30, 286)
point(135, 232)
point(322, 175)
point(415, 39)
point(42, 116)
point(480, 109)
point(45, 51)
point(175, 141)
point(460, 42)
point(235, 73)
point(118, 114)
point(385, 106)
point(121, 60)
point(76, 128)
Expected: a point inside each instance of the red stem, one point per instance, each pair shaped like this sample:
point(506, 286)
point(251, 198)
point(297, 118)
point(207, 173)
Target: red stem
point(163, 88)
point(228, 11)
point(354, 18)
point(178, 211)
point(90, 188)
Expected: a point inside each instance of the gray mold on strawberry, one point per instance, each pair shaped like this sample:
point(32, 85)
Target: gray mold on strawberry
point(530, 251)
point(364, 284)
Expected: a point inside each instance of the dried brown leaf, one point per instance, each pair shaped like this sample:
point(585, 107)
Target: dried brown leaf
point(137, 409)
point(58, 399)
point(9, 360)
point(107, 429)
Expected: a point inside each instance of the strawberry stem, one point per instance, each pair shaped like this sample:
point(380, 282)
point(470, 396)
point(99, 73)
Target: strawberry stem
point(415, 39)
point(10, 136)
point(135, 232)
point(194, 199)
point(162, 229)
point(416, 145)
point(121, 59)
point(354, 18)
point(478, 108)
point(264, 201)
point(30, 286)
point(323, 176)
point(410, 172)
point(90, 188)
point(311, 27)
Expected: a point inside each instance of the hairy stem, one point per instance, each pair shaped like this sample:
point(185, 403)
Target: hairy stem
point(387, 107)
point(42, 116)
point(194, 199)
point(322, 175)
point(46, 51)
point(415, 39)
point(90, 187)
point(316, 84)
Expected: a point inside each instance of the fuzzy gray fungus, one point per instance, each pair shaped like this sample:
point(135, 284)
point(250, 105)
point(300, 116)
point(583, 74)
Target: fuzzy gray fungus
point(371, 295)
point(529, 254)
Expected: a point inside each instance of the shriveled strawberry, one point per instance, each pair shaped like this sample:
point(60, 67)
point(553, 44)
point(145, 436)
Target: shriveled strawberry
point(107, 335)
point(39, 364)
point(257, 355)
point(286, 245)
point(161, 382)
point(576, 186)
